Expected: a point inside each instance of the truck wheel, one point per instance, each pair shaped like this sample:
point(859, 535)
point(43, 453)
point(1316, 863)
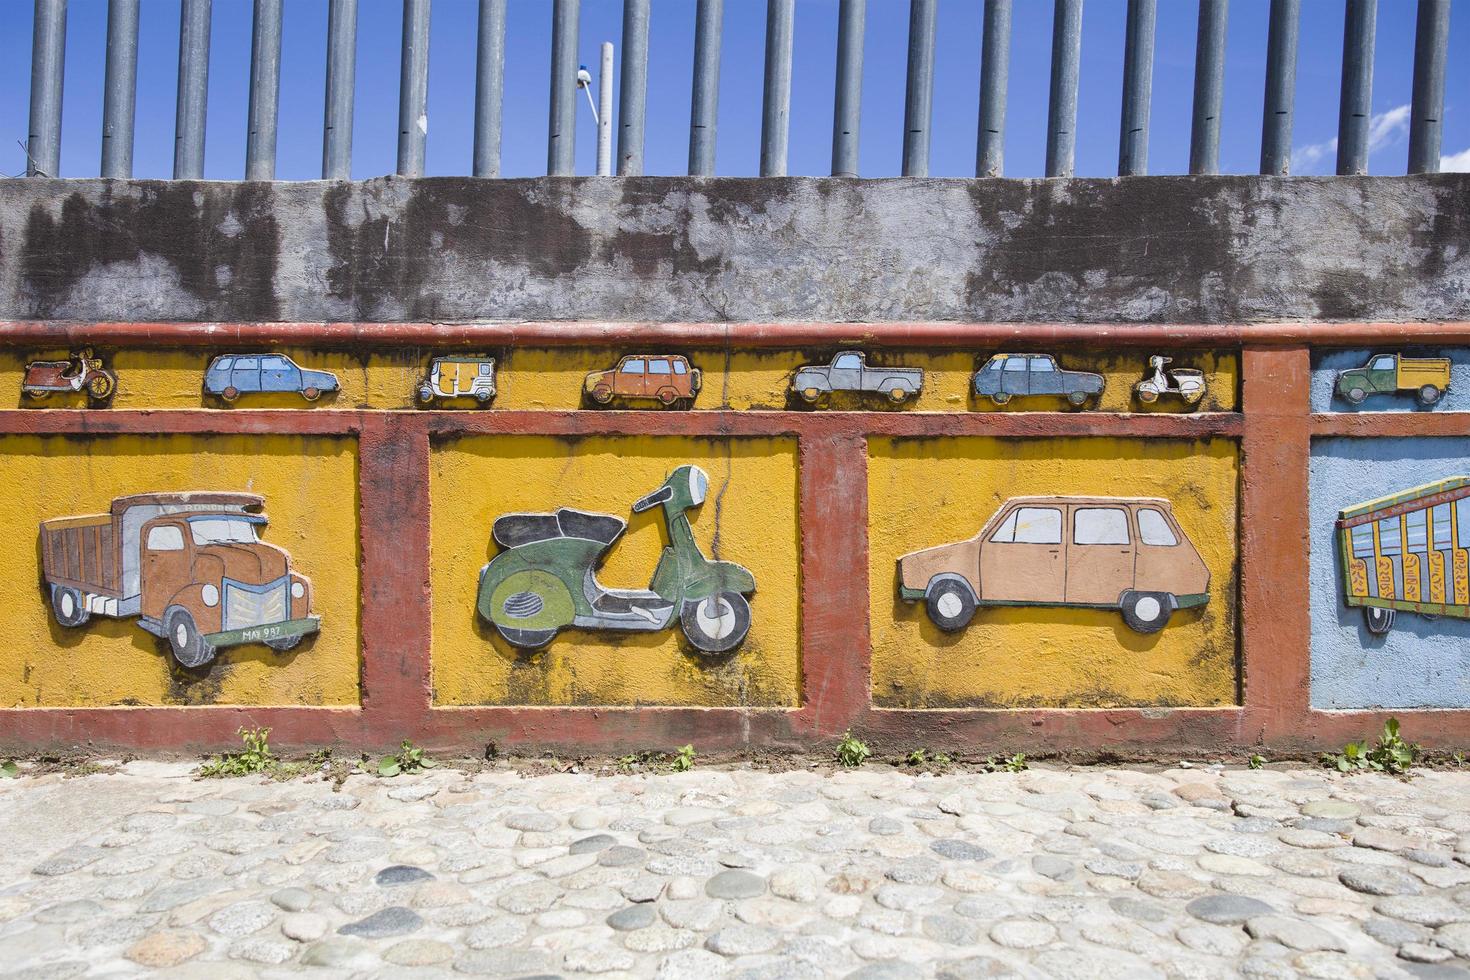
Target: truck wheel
point(717, 623)
point(284, 643)
point(188, 647)
point(950, 605)
point(1379, 621)
point(230, 393)
point(810, 395)
point(1355, 395)
point(897, 395)
point(1001, 397)
point(1146, 612)
point(1429, 394)
point(1078, 398)
point(602, 394)
point(68, 606)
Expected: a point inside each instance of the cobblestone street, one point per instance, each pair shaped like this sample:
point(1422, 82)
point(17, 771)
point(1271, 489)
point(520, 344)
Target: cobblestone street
point(1082, 873)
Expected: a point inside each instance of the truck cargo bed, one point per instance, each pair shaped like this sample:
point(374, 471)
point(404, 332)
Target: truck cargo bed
point(81, 552)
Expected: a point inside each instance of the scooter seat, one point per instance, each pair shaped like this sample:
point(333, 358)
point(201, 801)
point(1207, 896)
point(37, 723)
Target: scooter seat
point(513, 530)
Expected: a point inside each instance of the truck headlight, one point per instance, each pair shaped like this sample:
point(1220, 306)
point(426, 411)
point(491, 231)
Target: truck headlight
point(210, 595)
point(297, 590)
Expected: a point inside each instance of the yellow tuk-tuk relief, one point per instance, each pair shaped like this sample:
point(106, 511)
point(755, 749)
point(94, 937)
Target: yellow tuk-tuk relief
point(1408, 552)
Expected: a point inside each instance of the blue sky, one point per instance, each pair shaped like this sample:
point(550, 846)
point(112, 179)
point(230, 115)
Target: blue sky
point(451, 87)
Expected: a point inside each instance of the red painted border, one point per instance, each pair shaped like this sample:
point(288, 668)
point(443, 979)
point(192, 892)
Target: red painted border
point(58, 333)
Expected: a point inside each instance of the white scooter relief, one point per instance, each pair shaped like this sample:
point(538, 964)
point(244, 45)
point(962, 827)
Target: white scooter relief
point(1187, 383)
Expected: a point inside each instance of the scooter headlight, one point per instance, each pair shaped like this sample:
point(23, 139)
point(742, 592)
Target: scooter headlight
point(698, 484)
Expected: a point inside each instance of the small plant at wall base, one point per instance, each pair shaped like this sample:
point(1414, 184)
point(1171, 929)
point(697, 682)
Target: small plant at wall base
point(1391, 755)
point(851, 752)
point(410, 758)
point(683, 759)
point(1010, 763)
point(1256, 761)
point(255, 757)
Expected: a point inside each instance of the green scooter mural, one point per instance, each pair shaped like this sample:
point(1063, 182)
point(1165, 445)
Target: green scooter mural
point(545, 578)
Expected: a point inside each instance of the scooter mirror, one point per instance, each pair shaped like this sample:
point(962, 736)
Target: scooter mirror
point(698, 485)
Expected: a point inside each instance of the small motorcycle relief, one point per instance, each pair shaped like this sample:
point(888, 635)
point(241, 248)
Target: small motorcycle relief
point(1187, 383)
point(544, 579)
point(80, 372)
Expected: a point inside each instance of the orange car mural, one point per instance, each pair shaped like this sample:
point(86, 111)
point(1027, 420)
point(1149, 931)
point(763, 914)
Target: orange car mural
point(1099, 552)
point(665, 378)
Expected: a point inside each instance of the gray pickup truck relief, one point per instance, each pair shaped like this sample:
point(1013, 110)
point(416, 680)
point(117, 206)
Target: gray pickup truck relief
point(850, 371)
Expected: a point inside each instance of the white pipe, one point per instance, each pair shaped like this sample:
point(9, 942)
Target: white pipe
point(604, 112)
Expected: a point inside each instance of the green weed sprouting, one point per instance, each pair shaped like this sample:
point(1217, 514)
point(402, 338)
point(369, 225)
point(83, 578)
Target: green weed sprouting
point(1391, 755)
point(255, 757)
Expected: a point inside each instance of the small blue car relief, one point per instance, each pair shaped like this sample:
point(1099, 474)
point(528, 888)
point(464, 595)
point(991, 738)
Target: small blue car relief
point(231, 375)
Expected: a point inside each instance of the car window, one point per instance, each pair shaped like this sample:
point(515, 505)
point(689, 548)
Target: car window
point(1382, 362)
point(847, 362)
point(1031, 525)
point(1042, 364)
point(166, 537)
point(994, 364)
point(223, 364)
point(658, 366)
point(680, 367)
point(1390, 539)
point(247, 363)
point(1100, 525)
point(1015, 364)
point(485, 368)
point(274, 363)
point(1418, 528)
point(632, 366)
point(1363, 541)
point(1154, 529)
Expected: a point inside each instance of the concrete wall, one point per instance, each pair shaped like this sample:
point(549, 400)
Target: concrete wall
point(1162, 249)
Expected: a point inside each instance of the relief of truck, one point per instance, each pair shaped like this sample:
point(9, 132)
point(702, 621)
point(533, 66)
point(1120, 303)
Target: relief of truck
point(1386, 374)
point(850, 371)
point(189, 566)
point(1096, 552)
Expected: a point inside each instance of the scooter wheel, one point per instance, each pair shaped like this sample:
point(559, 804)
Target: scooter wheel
point(717, 623)
point(526, 639)
point(1147, 395)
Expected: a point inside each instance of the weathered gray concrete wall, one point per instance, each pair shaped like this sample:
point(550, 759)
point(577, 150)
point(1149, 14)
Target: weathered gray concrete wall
point(1182, 249)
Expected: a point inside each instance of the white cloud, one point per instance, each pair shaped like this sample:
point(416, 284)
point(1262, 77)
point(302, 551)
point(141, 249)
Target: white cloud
point(1455, 162)
point(1384, 129)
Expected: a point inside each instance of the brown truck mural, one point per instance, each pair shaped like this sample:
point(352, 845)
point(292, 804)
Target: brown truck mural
point(1103, 552)
point(190, 566)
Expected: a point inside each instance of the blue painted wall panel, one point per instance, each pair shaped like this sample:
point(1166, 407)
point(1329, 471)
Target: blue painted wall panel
point(1327, 363)
point(1420, 663)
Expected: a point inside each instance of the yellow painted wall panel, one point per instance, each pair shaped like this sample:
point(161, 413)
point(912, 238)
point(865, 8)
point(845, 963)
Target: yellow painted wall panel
point(750, 517)
point(310, 489)
point(926, 492)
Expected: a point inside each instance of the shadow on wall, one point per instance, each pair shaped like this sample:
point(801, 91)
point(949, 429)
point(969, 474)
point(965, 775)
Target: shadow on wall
point(1420, 663)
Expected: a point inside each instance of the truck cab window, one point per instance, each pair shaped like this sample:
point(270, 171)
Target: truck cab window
point(1383, 362)
point(1100, 525)
point(166, 537)
point(848, 362)
point(1153, 529)
point(222, 530)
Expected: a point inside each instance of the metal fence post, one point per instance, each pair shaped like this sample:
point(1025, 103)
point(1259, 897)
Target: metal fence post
point(120, 90)
point(1281, 42)
point(265, 91)
point(1138, 80)
point(633, 88)
point(776, 98)
point(704, 106)
point(1209, 87)
point(341, 78)
point(48, 58)
point(489, 87)
point(995, 67)
point(1061, 115)
point(1355, 106)
point(561, 140)
point(413, 89)
point(1426, 119)
point(918, 106)
point(847, 105)
point(193, 93)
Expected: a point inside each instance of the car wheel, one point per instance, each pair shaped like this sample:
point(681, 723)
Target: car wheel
point(1000, 397)
point(717, 623)
point(230, 393)
point(1146, 612)
point(1078, 398)
point(1429, 394)
point(950, 604)
point(284, 643)
point(68, 606)
point(1355, 395)
point(602, 394)
point(667, 396)
point(1378, 620)
point(311, 394)
point(184, 640)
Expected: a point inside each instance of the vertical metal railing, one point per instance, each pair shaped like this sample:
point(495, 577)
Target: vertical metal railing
point(1354, 132)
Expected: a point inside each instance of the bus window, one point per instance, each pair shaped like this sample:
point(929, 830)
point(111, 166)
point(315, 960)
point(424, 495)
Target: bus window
point(1363, 541)
point(1417, 540)
point(1389, 538)
point(1442, 527)
point(1462, 518)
